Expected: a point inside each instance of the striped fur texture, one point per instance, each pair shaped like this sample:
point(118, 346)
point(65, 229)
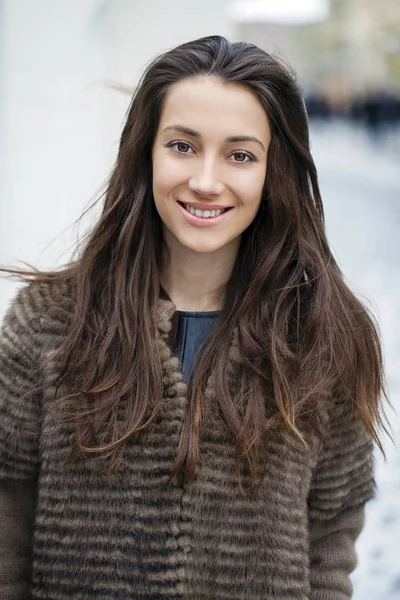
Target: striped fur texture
point(95, 536)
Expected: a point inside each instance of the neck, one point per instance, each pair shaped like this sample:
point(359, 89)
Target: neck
point(196, 281)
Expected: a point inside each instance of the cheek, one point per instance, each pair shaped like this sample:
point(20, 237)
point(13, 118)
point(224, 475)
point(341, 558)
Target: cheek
point(249, 190)
point(167, 174)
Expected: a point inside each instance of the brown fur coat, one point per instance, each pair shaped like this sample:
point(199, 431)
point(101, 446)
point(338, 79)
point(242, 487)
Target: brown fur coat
point(68, 532)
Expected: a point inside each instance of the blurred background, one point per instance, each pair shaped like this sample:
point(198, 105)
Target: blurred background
point(63, 65)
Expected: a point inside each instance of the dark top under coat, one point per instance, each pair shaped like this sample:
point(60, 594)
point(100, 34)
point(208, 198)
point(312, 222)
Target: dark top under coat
point(192, 329)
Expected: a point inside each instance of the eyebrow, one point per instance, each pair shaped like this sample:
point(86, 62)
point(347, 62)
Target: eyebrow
point(232, 139)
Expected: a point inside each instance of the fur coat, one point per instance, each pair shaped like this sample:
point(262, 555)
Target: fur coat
point(68, 532)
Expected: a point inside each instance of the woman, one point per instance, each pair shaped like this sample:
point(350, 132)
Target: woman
point(189, 408)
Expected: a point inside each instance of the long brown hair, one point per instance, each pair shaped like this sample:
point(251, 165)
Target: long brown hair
point(302, 334)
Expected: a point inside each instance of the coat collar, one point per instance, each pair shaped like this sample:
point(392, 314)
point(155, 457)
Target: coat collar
point(167, 317)
point(168, 326)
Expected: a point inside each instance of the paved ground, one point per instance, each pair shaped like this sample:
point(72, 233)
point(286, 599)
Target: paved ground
point(360, 183)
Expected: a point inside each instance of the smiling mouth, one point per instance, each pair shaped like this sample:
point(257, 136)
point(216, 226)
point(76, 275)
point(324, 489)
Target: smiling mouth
point(204, 213)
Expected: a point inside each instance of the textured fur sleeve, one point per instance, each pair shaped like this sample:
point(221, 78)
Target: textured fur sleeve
point(343, 482)
point(20, 351)
point(20, 418)
point(17, 507)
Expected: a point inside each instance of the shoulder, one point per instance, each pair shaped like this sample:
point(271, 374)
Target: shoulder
point(38, 310)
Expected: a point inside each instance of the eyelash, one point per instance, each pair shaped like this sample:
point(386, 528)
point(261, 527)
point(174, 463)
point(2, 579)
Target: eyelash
point(247, 154)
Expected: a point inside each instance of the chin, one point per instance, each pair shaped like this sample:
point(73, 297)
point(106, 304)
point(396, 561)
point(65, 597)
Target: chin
point(203, 248)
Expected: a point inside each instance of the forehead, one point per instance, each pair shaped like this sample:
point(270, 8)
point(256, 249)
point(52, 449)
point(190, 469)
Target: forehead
point(209, 105)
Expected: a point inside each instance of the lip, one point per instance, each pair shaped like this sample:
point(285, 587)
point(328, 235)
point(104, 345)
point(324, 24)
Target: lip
point(203, 221)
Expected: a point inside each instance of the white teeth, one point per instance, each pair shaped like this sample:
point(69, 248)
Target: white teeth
point(203, 213)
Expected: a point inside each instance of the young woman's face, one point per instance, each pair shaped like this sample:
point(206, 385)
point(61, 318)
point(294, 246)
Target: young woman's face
point(209, 155)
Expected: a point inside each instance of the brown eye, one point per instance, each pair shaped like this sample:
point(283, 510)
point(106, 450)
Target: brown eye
point(182, 147)
point(243, 157)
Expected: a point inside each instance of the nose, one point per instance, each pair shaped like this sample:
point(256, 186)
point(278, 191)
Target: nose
point(206, 180)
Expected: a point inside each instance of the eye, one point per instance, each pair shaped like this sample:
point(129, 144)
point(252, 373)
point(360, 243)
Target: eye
point(179, 147)
point(243, 157)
